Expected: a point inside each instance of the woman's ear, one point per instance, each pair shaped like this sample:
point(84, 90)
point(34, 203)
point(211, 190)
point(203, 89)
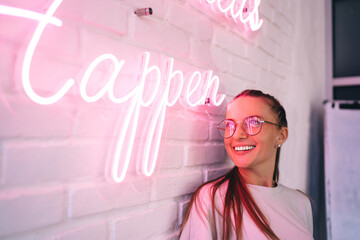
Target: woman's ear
point(284, 131)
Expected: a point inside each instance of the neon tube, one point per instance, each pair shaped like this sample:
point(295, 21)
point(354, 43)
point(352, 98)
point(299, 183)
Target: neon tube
point(23, 13)
point(191, 89)
point(109, 85)
point(213, 80)
point(170, 76)
point(235, 10)
point(28, 57)
point(144, 73)
point(130, 124)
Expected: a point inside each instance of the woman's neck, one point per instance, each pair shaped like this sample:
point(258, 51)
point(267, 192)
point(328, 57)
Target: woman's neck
point(252, 177)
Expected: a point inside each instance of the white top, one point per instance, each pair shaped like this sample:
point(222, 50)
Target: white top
point(287, 210)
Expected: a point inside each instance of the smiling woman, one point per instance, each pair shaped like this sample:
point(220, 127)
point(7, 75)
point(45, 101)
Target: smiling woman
point(248, 202)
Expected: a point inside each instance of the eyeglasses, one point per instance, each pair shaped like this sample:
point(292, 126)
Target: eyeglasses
point(251, 125)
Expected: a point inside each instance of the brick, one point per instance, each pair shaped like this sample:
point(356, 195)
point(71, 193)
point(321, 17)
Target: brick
point(38, 6)
point(72, 10)
point(203, 112)
point(88, 232)
point(185, 128)
point(204, 154)
point(189, 21)
point(182, 209)
point(205, 8)
point(36, 162)
point(283, 24)
point(106, 15)
point(289, 10)
point(22, 117)
point(170, 156)
point(15, 29)
point(26, 209)
point(157, 6)
point(280, 21)
point(230, 41)
point(48, 74)
point(96, 121)
point(92, 229)
point(243, 68)
point(94, 44)
point(200, 53)
point(59, 41)
point(276, 4)
point(160, 37)
point(170, 186)
point(90, 199)
point(267, 79)
point(7, 53)
point(234, 86)
point(214, 132)
point(109, 14)
point(290, 30)
point(269, 46)
point(171, 236)
point(259, 58)
point(284, 85)
point(220, 58)
point(210, 174)
point(210, 110)
point(274, 33)
point(266, 10)
point(252, 86)
point(286, 52)
point(279, 68)
point(159, 219)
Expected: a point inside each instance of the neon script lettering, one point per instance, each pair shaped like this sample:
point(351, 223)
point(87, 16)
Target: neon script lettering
point(166, 96)
point(245, 11)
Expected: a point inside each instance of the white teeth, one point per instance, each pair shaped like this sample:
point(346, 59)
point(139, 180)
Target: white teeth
point(244, 148)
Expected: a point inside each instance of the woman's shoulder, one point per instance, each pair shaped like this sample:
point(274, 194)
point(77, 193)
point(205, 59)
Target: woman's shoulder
point(213, 187)
point(296, 198)
point(210, 193)
point(293, 193)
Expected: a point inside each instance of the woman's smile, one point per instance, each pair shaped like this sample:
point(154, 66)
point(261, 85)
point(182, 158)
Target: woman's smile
point(244, 148)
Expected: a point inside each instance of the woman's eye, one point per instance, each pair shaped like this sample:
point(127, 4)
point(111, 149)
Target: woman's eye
point(229, 125)
point(254, 122)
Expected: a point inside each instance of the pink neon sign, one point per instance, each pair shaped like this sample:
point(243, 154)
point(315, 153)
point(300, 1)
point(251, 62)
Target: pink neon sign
point(244, 11)
point(173, 82)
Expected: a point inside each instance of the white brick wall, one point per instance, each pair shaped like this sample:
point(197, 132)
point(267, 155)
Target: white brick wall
point(53, 159)
point(26, 209)
point(159, 219)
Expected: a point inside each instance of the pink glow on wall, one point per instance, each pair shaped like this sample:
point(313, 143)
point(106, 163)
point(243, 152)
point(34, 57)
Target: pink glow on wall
point(240, 11)
point(167, 90)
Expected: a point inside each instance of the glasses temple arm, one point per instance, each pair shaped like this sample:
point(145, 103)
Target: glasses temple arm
point(272, 123)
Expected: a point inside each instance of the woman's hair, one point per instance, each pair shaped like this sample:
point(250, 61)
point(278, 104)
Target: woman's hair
point(237, 194)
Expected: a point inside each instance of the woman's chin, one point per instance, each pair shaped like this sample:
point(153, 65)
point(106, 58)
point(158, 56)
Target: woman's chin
point(241, 162)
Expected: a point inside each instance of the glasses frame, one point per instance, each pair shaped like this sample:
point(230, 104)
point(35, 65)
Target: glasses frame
point(242, 125)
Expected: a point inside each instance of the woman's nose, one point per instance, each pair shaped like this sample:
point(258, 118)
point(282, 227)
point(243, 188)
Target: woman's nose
point(239, 132)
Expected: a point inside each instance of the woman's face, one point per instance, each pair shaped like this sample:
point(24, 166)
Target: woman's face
point(262, 147)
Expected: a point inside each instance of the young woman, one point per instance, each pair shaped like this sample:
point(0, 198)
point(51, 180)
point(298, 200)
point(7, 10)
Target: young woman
point(248, 202)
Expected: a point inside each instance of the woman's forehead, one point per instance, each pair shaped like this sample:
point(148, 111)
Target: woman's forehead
point(248, 106)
